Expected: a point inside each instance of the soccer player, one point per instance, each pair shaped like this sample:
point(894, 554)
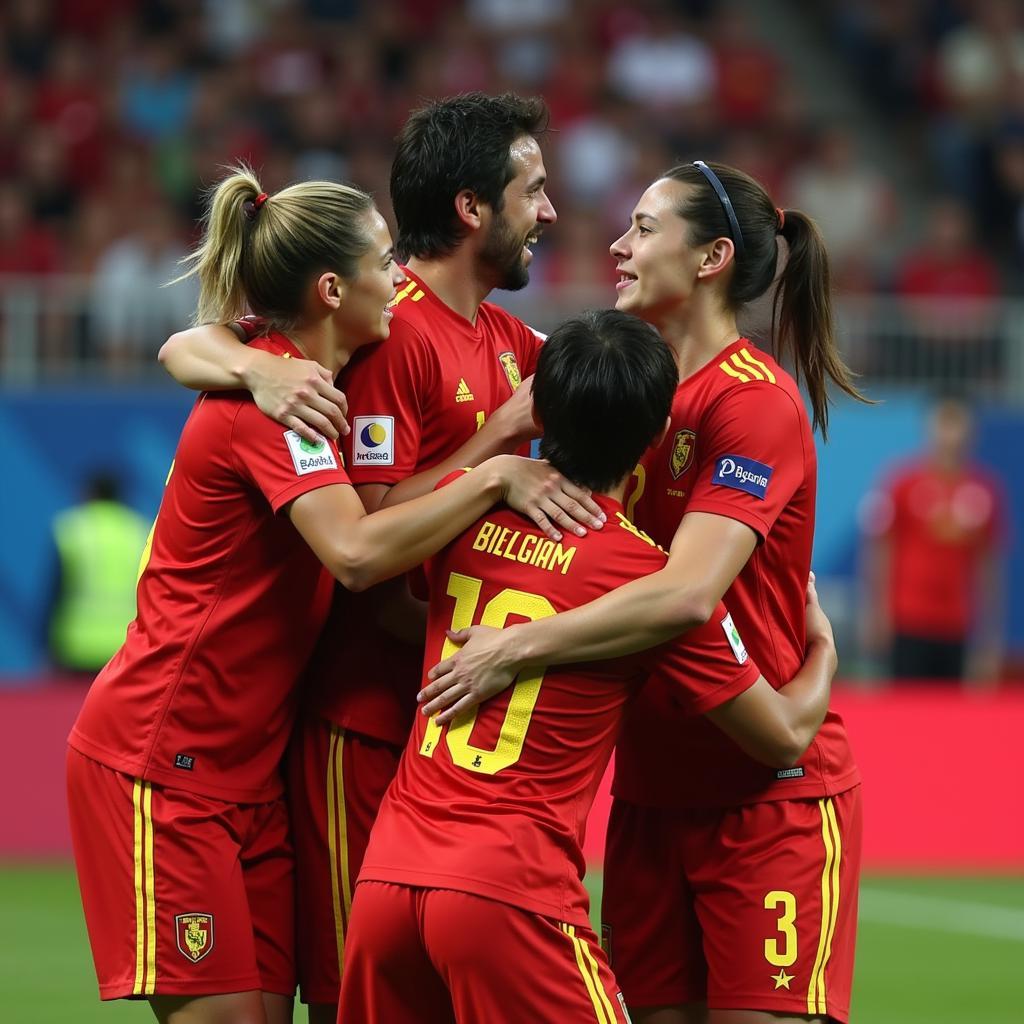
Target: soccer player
point(468, 189)
point(730, 888)
point(179, 830)
point(935, 531)
point(470, 904)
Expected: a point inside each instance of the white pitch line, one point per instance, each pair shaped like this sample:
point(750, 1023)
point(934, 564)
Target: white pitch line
point(932, 913)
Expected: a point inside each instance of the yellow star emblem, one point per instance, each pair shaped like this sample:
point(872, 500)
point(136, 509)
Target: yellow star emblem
point(782, 979)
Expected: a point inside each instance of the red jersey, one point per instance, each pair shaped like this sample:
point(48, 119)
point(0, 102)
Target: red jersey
point(940, 525)
point(414, 399)
point(740, 445)
point(230, 602)
point(496, 805)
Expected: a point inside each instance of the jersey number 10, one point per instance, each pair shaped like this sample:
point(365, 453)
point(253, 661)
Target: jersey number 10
point(512, 736)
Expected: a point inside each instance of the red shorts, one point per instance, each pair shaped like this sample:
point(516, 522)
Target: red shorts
point(336, 781)
point(434, 956)
point(745, 908)
point(183, 894)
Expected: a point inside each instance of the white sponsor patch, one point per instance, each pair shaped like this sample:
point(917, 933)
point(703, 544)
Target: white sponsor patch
point(374, 443)
point(732, 634)
point(307, 457)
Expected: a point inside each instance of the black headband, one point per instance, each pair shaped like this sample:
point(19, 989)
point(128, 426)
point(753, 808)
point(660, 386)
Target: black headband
point(723, 198)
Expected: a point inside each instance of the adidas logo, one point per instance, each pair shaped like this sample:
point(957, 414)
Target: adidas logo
point(462, 392)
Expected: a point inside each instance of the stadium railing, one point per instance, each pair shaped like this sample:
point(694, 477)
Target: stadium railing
point(72, 326)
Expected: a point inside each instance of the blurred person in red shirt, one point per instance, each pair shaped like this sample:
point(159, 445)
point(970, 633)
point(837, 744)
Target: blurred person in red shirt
point(935, 533)
point(949, 285)
point(748, 72)
point(948, 263)
point(25, 247)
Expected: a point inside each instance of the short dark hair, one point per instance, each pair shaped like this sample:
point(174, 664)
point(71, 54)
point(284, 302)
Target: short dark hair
point(460, 142)
point(603, 388)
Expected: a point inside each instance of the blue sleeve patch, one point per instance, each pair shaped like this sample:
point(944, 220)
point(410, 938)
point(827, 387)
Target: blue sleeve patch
point(743, 474)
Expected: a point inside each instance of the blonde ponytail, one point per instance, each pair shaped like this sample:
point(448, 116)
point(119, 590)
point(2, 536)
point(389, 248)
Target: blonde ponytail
point(258, 252)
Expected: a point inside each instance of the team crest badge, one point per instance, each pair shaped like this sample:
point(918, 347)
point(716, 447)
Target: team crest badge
point(682, 452)
point(194, 934)
point(511, 368)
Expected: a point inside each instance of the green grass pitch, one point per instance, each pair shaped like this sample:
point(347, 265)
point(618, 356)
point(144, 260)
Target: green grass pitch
point(930, 951)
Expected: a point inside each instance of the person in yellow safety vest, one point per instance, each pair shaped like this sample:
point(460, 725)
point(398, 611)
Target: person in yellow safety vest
point(99, 543)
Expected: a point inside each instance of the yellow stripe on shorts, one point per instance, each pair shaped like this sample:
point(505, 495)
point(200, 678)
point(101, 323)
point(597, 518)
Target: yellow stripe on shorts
point(603, 1012)
point(832, 840)
point(145, 889)
point(337, 841)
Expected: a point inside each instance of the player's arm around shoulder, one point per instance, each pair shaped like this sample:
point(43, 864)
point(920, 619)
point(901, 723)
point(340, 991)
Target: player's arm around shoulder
point(361, 550)
point(297, 393)
point(777, 726)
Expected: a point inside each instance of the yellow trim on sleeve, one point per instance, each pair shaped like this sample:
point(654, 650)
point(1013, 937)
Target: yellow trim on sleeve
point(754, 361)
point(744, 368)
point(402, 294)
point(723, 365)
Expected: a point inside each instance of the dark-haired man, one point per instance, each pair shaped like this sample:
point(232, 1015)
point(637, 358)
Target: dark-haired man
point(468, 189)
point(470, 905)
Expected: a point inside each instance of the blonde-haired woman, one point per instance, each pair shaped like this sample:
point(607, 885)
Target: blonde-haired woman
point(179, 829)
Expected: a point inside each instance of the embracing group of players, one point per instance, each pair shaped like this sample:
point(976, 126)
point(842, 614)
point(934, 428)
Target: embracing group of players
point(256, 748)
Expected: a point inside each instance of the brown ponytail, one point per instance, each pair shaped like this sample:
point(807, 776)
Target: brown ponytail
point(260, 251)
point(803, 320)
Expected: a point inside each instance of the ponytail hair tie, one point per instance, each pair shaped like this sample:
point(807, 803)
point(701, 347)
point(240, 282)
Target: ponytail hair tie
point(781, 214)
point(252, 206)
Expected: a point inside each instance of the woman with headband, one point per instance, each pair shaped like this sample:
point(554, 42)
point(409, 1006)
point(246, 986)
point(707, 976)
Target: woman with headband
point(730, 887)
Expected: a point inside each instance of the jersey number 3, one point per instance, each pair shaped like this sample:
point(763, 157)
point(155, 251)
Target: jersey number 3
point(512, 736)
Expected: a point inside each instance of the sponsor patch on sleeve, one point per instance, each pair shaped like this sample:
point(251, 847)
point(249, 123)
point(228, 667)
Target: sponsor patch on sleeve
point(307, 456)
point(374, 443)
point(732, 634)
point(743, 474)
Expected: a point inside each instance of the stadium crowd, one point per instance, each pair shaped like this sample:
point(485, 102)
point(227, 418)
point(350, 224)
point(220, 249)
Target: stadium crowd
point(112, 109)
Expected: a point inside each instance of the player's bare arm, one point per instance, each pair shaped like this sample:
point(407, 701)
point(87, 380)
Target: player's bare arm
point(511, 426)
point(361, 550)
point(707, 554)
point(777, 726)
point(297, 393)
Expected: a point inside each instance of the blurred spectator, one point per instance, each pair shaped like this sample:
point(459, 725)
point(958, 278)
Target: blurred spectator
point(662, 65)
point(890, 44)
point(978, 65)
point(71, 102)
point(1009, 189)
point(133, 311)
point(516, 15)
point(949, 286)
point(575, 259)
point(98, 543)
point(948, 263)
point(27, 35)
point(26, 247)
point(934, 542)
point(748, 73)
point(45, 170)
point(597, 151)
point(157, 92)
point(850, 202)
